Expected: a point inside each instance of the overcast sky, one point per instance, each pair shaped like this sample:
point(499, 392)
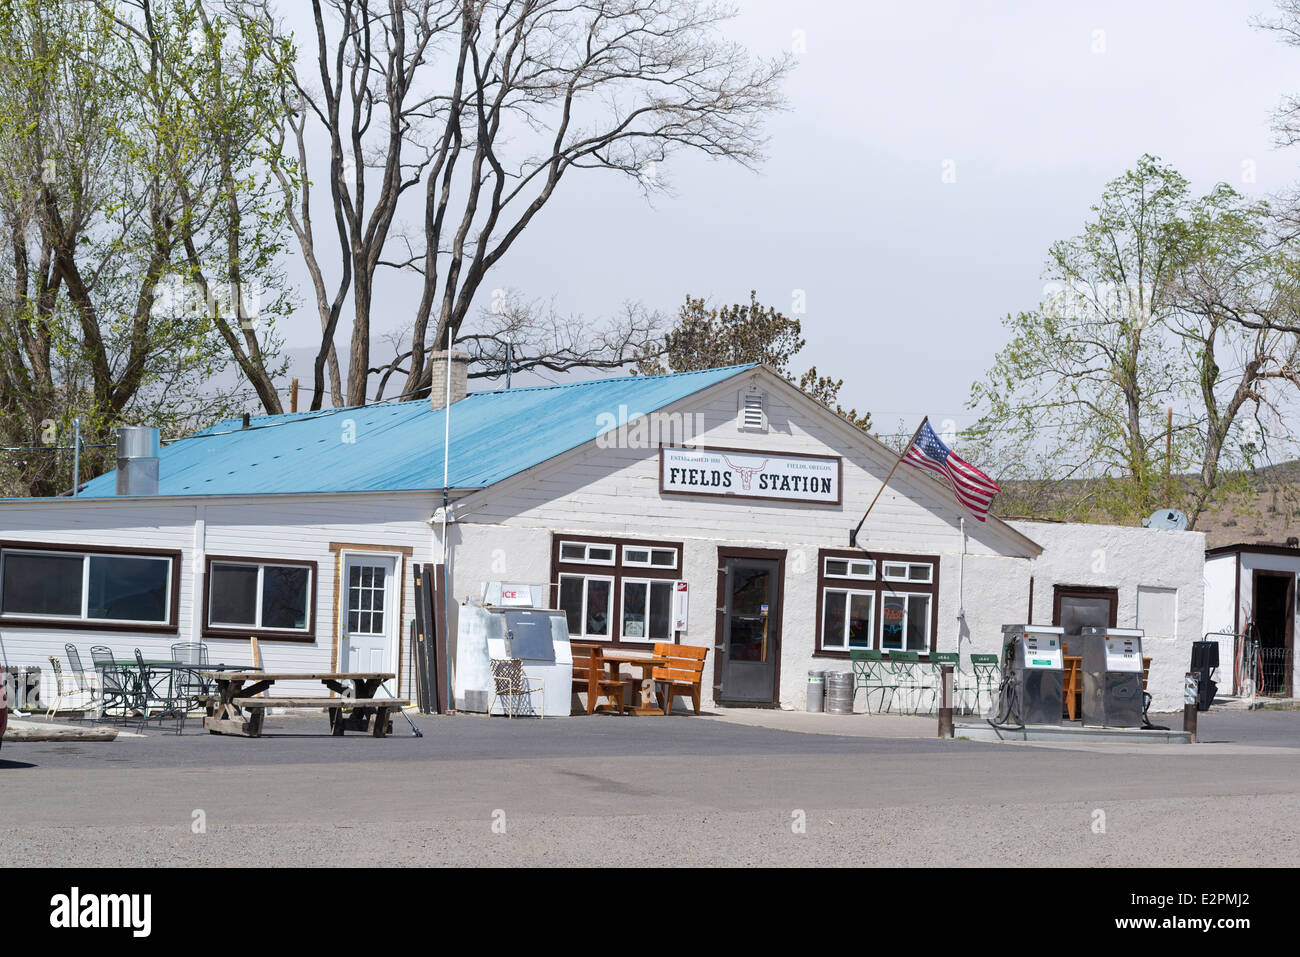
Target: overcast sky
point(1033, 106)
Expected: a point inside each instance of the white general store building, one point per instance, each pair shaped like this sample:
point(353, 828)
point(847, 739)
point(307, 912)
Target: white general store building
point(302, 529)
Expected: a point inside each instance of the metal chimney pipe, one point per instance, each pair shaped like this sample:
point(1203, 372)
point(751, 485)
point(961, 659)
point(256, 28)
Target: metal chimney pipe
point(137, 460)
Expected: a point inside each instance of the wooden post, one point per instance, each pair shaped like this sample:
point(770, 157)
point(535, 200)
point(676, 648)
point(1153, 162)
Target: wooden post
point(853, 535)
point(293, 395)
point(442, 644)
point(1190, 696)
point(945, 702)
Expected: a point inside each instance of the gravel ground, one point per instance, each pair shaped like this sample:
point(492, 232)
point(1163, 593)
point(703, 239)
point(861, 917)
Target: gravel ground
point(678, 791)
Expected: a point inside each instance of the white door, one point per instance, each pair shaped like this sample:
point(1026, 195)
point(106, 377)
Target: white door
point(369, 613)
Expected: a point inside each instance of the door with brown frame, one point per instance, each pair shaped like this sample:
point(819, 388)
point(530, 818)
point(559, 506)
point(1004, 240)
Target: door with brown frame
point(1273, 615)
point(747, 649)
point(1075, 607)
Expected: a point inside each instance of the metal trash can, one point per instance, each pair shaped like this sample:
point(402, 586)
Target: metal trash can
point(816, 691)
point(839, 692)
point(1205, 658)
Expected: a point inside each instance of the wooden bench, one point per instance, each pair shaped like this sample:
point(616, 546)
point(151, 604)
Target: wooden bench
point(325, 704)
point(682, 676)
point(1072, 686)
point(1073, 690)
point(382, 709)
point(591, 679)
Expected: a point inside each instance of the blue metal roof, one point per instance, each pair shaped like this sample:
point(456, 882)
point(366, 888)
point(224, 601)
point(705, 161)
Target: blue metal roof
point(398, 446)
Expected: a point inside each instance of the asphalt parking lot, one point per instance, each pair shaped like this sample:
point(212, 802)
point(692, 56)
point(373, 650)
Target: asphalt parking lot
point(678, 790)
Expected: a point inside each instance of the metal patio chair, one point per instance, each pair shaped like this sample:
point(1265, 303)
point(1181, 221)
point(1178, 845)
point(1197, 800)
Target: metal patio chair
point(909, 678)
point(159, 686)
point(194, 686)
point(119, 691)
point(84, 681)
point(984, 668)
point(65, 689)
point(510, 684)
point(871, 673)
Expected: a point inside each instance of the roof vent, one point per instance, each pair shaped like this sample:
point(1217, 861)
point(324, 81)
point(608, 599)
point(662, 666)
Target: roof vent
point(753, 414)
point(137, 460)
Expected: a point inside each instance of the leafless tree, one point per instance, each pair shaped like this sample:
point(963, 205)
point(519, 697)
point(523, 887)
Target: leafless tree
point(486, 106)
point(533, 336)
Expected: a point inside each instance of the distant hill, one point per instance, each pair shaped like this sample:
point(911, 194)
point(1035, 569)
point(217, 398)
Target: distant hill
point(1267, 511)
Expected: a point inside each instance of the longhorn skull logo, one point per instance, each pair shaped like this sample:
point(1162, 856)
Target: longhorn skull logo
point(746, 474)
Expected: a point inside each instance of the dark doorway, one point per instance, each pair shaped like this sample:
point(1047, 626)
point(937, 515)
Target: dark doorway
point(748, 646)
point(1274, 620)
point(1075, 607)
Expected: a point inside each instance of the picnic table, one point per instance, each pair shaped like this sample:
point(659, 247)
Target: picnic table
point(646, 661)
point(239, 707)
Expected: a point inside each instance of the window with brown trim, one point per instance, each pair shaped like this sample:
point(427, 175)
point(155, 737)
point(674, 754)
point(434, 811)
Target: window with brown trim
point(616, 590)
point(874, 600)
point(269, 598)
point(88, 587)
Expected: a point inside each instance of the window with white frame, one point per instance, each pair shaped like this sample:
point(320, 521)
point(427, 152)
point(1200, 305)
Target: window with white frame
point(904, 621)
point(864, 569)
point(647, 609)
point(588, 603)
point(262, 596)
point(629, 598)
point(848, 619)
point(908, 572)
point(875, 601)
point(646, 556)
point(588, 553)
point(65, 585)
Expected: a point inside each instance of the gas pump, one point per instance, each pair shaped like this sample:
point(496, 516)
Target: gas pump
point(1033, 676)
point(1112, 677)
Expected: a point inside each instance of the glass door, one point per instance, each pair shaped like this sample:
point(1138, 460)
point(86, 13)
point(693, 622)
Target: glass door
point(750, 640)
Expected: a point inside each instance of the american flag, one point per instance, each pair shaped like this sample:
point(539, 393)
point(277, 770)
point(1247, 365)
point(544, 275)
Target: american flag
point(972, 487)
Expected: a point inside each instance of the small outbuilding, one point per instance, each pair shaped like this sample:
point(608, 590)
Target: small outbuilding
point(1250, 590)
point(710, 508)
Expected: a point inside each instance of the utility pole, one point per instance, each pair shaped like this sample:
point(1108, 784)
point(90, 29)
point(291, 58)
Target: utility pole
point(76, 455)
point(1169, 454)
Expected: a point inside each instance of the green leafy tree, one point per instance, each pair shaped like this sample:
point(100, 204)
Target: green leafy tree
point(706, 338)
point(1163, 301)
point(123, 187)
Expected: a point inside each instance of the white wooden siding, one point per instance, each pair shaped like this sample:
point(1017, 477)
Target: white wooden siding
point(607, 489)
point(287, 527)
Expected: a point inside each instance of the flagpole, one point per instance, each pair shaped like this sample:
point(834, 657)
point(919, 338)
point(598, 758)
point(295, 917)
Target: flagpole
point(853, 535)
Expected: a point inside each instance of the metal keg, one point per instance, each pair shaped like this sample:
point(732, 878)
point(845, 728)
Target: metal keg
point(816, 691)
point(839, 692)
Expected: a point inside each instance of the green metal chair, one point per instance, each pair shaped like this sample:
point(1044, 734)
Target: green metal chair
point(909, 677)
point(872, 673)
point(985, 671)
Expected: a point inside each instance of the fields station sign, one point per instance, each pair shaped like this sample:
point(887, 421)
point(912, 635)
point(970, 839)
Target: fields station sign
point(783, 477)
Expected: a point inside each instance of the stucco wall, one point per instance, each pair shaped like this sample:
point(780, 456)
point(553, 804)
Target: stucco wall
point(1128, 559)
